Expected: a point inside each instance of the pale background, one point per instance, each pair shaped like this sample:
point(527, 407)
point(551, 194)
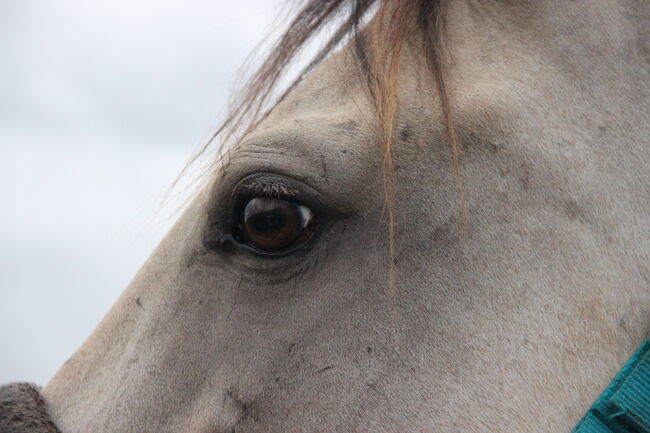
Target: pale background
point(101, 104)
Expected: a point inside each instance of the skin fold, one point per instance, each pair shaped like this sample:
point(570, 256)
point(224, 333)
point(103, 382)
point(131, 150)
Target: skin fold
point(511, 319)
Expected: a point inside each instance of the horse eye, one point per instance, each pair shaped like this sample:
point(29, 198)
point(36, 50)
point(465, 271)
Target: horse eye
point(272, 225)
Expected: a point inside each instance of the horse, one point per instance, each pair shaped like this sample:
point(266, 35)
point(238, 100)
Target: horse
point(440, 226)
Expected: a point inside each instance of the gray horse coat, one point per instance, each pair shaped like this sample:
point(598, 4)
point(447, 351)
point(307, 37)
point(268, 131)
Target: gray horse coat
point(512, 320)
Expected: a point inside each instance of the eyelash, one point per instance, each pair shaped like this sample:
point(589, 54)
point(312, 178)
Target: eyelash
point(271, 190)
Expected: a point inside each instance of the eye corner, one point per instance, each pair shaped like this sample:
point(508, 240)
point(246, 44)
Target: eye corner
point(214, 239)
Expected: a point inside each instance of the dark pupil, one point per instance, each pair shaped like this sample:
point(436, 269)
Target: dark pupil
point(271, 220)
point(271, 224)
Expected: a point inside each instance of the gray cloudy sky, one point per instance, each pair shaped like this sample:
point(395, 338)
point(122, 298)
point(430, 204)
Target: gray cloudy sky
point(101, 104)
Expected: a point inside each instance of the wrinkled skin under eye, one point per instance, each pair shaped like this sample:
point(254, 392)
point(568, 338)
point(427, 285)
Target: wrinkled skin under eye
point(273, 225)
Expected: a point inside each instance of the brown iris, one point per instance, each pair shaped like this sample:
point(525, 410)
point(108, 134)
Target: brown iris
point(274, 225)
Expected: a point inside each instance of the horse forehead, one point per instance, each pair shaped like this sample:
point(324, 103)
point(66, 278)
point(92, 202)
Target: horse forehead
point(305, 134)
point(326, 123)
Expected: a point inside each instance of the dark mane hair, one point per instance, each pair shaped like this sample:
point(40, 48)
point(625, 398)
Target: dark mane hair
point(378, 49)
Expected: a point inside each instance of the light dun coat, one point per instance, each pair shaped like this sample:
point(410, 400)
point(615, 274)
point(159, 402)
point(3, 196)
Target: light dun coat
point(508, 319)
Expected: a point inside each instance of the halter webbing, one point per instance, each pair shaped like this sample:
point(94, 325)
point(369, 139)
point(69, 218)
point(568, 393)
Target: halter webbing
point(624, 406)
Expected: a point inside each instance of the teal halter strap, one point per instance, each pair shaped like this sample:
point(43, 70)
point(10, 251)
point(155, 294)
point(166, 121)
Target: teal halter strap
point(624, 406)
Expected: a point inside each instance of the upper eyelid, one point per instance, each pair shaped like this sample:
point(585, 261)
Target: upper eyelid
point(275, 185)
point(265, 189)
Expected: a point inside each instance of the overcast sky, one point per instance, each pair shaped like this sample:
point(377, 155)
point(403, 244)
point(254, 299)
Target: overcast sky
point(101, 104)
